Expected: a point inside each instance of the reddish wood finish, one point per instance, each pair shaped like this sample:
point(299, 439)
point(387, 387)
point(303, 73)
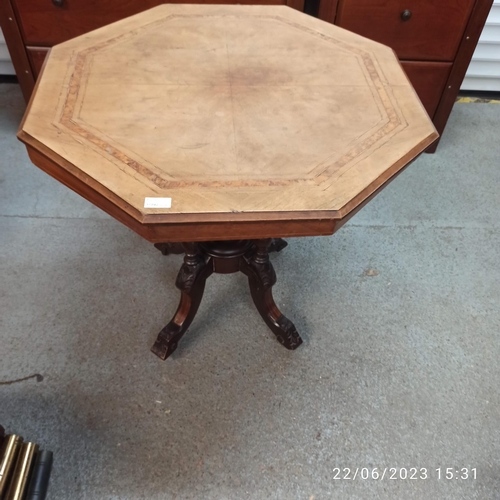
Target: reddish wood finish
point(14, 41)
point(328, 10)
point(295, 4)
point(256, 265)
point(37, 57)
point(42, 23)
point(200, 261)
point(432, 33)
point(195, 270)
point(178, 232)
point(429, 79)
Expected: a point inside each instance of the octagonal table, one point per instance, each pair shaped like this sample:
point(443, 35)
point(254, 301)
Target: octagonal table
point(216, 131)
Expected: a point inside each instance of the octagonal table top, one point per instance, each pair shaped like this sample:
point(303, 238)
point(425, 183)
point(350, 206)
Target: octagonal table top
point(224, 122)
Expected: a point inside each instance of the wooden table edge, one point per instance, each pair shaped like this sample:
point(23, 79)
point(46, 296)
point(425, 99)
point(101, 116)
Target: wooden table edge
point(208, 226)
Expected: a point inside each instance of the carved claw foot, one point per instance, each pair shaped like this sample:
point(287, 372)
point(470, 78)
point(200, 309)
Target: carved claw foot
point(165, 344)
point(289, 336)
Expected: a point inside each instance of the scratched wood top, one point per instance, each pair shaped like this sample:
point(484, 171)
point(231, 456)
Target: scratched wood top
point(233, 112)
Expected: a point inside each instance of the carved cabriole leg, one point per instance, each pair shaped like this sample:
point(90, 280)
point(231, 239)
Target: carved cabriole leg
point(195, 270)
point(203, 259)
point(261, 278)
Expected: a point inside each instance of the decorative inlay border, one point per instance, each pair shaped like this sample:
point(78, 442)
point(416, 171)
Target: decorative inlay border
point(393, 122)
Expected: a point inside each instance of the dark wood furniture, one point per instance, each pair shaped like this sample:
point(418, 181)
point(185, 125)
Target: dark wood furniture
point(235, 126)
point(251, 257)
point(434, 40)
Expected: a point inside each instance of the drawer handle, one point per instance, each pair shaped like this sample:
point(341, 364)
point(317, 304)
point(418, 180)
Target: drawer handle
point(58, 3)
point(406, 15)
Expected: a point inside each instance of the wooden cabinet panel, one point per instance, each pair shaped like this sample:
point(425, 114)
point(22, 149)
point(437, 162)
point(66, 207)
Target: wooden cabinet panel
point(17, 51)
point(415, 29)
point(328, 10)
point(44, 23)
point(37, 56)
point(428, 79)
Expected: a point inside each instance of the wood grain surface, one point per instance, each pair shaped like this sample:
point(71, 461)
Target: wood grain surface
point(237, 113)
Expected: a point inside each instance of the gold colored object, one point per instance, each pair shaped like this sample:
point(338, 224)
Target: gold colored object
point(8, 457)
point(24, 466)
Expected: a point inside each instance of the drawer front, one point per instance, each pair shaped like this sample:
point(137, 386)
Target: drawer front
point(415, 29)
point(44, 23)
point(428, 79)
point(37, 55)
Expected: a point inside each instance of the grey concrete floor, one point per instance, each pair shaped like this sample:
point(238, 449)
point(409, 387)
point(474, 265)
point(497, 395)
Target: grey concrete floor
point(399, 369)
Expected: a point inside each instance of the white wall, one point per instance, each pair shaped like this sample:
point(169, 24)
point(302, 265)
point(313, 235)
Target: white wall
point(484, 69)
point(6, 67)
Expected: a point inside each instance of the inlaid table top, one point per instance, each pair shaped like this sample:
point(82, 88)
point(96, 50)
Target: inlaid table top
point(254, 121)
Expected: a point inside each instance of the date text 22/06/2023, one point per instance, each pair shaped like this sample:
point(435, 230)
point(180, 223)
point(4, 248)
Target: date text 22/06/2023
point(403, 473)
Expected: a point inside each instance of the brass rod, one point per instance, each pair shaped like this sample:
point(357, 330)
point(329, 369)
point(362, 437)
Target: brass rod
point(24, 466)
point(8, 457)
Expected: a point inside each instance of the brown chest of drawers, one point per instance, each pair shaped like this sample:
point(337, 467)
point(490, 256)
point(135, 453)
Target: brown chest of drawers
point(434, 39)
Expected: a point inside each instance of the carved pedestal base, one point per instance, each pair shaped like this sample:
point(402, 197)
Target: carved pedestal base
point(251, 257)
